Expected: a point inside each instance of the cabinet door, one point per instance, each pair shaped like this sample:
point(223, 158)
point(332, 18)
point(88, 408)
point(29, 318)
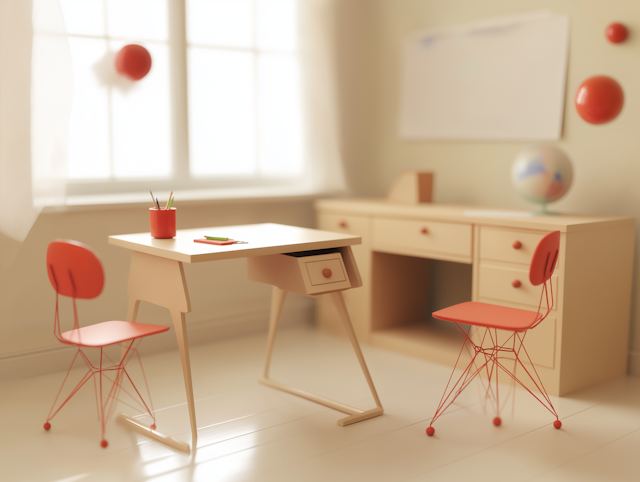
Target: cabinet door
point(358, 300)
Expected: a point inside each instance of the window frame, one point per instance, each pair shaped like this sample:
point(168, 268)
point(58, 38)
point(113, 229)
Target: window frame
point(181, 179)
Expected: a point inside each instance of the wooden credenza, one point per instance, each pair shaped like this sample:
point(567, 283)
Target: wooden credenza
point(404, 255)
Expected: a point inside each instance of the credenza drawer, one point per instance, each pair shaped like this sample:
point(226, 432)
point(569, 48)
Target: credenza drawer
point(508, 245)
point(430, 237)
point(511, 285)
point(345, 223)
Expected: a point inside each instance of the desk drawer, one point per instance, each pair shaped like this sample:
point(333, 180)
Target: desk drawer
point(509, 245)
point(497, 284)
point(427, 237)
point(324, 271)
point(304, 273)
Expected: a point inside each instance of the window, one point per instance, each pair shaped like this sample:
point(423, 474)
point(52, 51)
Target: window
point(221, 106)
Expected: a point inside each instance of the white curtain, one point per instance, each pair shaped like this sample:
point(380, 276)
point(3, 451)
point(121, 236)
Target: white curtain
point(36, 83)
point(319, 76)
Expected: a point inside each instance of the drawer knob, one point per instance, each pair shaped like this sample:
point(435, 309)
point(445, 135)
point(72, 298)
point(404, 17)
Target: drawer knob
point(342, 224)
point(424, 231)
point(326, 273)
point(516, 245)
point(516, 283)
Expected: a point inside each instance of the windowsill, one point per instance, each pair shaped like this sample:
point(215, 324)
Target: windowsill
point(188, 197)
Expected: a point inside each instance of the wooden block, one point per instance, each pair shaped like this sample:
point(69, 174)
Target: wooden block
point(411, 187)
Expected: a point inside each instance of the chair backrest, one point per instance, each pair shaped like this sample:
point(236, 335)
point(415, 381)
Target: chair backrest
point(74, 269)
point(545, 258)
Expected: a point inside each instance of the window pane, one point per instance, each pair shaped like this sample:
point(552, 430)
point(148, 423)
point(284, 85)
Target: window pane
point(138, 19)
point(280, 118)
point(141, 120)
point(88, 128)
point(83, 17)
point(277, 25)
point(221, 112)
point(226, 23)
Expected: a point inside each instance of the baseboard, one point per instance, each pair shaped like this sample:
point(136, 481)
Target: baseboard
point(634, 363)
point(235, 321)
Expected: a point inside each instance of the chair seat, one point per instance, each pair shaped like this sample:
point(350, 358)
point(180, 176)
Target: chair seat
point(490, 316)
point(109, 333)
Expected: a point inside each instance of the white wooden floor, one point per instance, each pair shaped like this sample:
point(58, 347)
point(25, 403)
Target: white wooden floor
point(249, 432)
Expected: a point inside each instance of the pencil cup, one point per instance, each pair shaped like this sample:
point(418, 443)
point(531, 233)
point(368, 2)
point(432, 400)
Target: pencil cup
point(163, 222)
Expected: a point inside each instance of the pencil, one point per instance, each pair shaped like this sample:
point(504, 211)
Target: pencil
point(166, 206)
point(152, 199)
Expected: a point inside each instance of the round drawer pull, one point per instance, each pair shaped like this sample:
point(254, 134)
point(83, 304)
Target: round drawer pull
point(326, 273)
point(516, 245)
point(516, 283)
point(424, 231)
point(342, 224)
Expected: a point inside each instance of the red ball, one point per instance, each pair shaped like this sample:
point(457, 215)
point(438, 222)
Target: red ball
point(47, 426)
point(557, 424)
point(616, 33)
point(599, 99)
point(497, 421)
point(133, 61)
point(104, 444)
point(430, 431)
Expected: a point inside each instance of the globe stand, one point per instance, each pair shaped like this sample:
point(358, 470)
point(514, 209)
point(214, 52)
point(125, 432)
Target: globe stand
point(544, 211)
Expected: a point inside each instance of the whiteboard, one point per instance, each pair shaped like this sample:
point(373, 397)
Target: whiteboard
point(498, 79)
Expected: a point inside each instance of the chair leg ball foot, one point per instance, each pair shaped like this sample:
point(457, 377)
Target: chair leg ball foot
point(557, 424)
point(47, 426)
point(104, 444)
point(153, 427)
point(497, 421)
point(430, 431)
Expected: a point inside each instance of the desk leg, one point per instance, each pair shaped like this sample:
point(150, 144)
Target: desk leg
point(355, 414)
point(179, 323)
point(162, 282)
point(338, 301)
point(277, 302)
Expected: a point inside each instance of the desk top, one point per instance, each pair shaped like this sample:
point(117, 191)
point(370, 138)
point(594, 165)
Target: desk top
point(263, 239)
point(473, 215)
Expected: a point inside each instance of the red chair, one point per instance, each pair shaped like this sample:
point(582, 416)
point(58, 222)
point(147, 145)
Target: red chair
point(489, 355)
point(76, 271)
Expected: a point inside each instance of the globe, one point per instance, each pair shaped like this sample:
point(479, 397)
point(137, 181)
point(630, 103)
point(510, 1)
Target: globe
point(542, 174)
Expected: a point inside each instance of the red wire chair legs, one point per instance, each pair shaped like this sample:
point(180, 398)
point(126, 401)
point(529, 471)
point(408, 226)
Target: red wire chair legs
point(103, 372)
point(489, 357)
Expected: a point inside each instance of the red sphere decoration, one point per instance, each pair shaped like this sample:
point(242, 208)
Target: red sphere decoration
point(616, 33)
point(430, 431)
point(599, 99)
point(497, 421)
point(104, 444)
point(557, 424)
point(47, 426)
point(133, 61)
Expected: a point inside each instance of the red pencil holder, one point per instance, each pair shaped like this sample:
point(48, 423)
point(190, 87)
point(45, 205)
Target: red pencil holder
point(163, 223)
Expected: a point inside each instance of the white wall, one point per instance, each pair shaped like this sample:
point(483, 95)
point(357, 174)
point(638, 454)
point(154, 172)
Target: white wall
point(606, 158)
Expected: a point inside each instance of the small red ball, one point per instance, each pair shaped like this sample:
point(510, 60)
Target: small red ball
point(133, 61)
point(104, 444)
point(47, 426)
point(430, 431)
point(616, 33)
point(557, 424)
point(153, 427)
point(599, 99)
point(497, 421)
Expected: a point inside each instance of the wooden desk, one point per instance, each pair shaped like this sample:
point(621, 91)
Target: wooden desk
point(157, 276)
point(584, 341)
